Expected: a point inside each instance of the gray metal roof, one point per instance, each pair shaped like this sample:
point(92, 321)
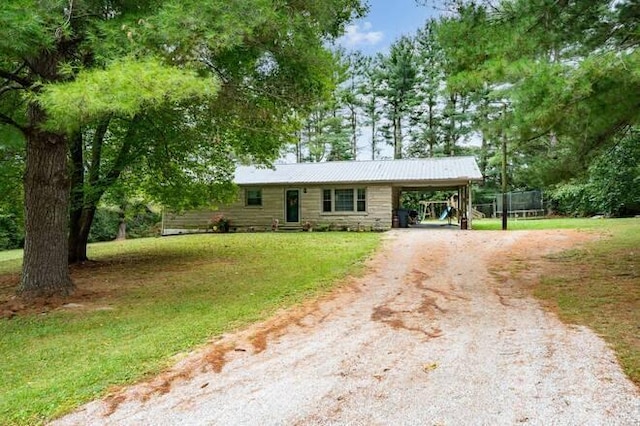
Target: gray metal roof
point(453, 170)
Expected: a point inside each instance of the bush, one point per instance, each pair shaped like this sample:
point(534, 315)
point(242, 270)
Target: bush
point(572, 200)
point(611, 187)
point(141, 222)
point(144, 222)
point(105, 225)
point(11, 231)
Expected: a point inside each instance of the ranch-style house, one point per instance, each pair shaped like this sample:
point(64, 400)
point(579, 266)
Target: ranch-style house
point(362, 195)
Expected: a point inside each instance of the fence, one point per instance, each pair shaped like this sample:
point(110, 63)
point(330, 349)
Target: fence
point(519, 205)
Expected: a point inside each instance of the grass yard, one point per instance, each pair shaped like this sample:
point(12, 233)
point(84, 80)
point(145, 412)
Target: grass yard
point(10, 261)
point(556, 223)
point(146, 300)
point(599, 286)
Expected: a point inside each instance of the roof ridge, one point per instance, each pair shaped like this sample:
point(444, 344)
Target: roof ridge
point(390, 160)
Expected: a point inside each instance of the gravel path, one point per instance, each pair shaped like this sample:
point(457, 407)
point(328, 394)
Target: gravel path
point(430, 336)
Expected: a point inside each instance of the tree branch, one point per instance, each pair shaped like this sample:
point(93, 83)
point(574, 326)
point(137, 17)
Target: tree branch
point(96, 150)
point(123, 159)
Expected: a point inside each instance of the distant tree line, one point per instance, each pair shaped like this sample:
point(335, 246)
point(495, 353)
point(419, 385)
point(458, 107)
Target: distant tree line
point(549, 86)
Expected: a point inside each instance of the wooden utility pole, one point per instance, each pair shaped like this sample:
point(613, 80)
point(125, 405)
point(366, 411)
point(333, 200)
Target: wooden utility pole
point(504, 183)
point(504, 175)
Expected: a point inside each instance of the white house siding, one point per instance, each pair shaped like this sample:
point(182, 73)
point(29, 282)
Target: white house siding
point(260, 218)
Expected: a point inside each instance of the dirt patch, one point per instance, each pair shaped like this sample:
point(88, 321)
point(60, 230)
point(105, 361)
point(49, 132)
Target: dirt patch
point(112, 402)
point(216, 357)
point(366, 354)
point(82, 299)
point(429, 307)
point(274, 330)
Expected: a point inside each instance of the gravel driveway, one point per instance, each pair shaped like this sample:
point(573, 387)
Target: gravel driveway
point(433, 334)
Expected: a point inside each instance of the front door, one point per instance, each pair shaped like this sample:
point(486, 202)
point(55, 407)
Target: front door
point(292, 208)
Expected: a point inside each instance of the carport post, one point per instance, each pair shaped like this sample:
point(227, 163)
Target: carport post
point(469, 207)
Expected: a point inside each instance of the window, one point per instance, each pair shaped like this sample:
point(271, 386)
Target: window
point(362, 200)
point(326, 200)
point(253, 197)
point(344, 200)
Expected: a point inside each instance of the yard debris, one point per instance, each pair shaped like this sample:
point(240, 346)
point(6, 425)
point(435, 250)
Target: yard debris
point(429, 367)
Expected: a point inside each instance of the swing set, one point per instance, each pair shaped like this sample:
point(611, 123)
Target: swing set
point(438, 209)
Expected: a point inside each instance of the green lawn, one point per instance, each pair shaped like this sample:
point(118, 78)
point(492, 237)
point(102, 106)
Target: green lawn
point(10, 261)
point(557, 223)
point(599, 286)
point(153, 298)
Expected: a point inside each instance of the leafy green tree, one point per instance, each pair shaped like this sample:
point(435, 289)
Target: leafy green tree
point(331, 127)
point(313, 144)
point(327, 134)
point(564, 67)
point(70, 69)
point(563, 71)
point(611, 185)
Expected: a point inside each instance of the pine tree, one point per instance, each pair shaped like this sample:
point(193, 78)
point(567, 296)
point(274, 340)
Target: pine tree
point(398, 88)
point(426, 113)
point(370, 93)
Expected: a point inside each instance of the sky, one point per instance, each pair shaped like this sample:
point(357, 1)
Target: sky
point(387, 21)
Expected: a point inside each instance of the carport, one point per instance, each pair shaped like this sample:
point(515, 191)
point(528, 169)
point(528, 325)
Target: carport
point(445, 174)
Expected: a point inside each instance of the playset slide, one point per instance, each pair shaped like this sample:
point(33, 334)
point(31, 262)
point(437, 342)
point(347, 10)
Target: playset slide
point(446, 213)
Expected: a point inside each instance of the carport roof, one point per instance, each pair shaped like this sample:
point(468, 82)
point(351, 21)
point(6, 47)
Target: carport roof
point(446, 170)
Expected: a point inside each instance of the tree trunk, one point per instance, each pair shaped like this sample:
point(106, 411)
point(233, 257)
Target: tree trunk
point(78, 246)
point(85, 195)
point(354, 137)
point(452, 126)
point(45, 270)
point(432, 141)
point(397, 138)
point(373, 139)
point(77, 196)
point(504, 183)
point(122, 230)
point(483, 157)
point(122, 216)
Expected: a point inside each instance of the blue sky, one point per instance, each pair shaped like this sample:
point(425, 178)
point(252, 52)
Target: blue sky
point(387, 21)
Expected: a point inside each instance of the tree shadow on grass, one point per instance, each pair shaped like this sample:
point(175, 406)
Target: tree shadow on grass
point(102, 283)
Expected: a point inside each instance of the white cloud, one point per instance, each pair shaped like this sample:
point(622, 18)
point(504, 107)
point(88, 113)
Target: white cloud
point(357, 35)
